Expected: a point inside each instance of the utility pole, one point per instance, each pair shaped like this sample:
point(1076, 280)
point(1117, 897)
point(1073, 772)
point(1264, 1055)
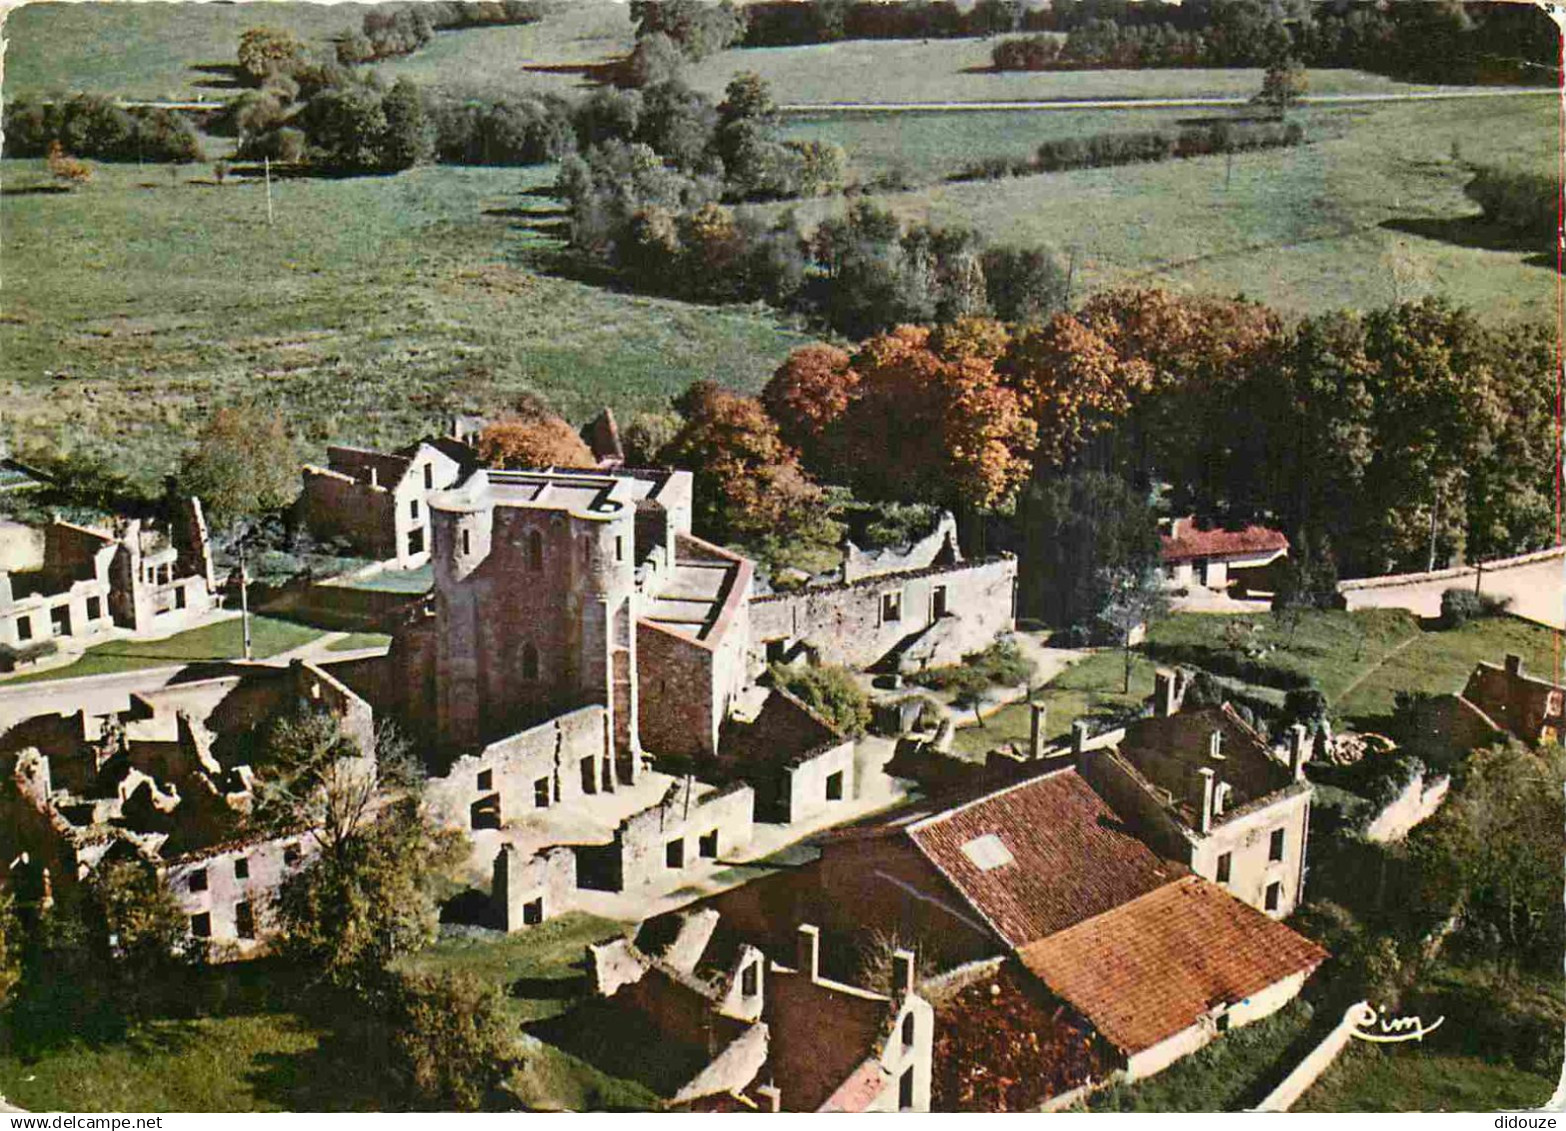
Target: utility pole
point(267, 165)
point(244, 596)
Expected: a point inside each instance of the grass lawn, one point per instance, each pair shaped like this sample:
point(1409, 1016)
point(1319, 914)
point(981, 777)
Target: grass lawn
point(1410, 1077)
point(542, 974)
point(373, 309)
point(1089, 686)
point(222, 641)
point(1371, 212)
point(412, 581)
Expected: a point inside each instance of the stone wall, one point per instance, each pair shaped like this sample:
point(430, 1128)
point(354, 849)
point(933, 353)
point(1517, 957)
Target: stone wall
point(1265, 1003)
point(339, 507)
point(551, 764)
point(815, 785)
point(528, 890)
point(679, 710)
point(1416, 803)
point(693, 828)
point(854, 624)
point(210, 888)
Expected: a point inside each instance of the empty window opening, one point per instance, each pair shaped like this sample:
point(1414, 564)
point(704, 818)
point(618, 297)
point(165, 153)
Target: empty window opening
point(529, 662)
point(905, 1090)
point(290, 854)
point(891, 607)
point(776, 651)
point(201, 925)
point(244, 920)
point(589, 775)
point(1224, 863)
point(24, 628)
point(750, 979)
point(429, 477)
point(938, 603)
point(413, 509)
point(179, 597)
point(1274, 896)
point(94, 608)
point(674, 854)
point(619, 548)
point(910, 1029)
point(533, 912)
point(485, 812)
point(834, 786)
point(467, 543)
point(242, 868)
point(707, 846)
point(1275, 846)
point(486, 780)
point(987, 853)
point(416, 541)
point(541, 793)
point(535, 551)
point(1222, 1022)
point(198, 880)
point(60, 620)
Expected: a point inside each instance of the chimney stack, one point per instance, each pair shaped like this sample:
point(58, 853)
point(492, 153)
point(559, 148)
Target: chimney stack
point(1207, 799)
point(1513, 664)
point(375, 476)
point(902, 974)
point(1215, 746)
point(1165, 701)
point(773, 1095)
point(1079, 736)
point(1036, 734)
point(808, 952)
point(1298, 752)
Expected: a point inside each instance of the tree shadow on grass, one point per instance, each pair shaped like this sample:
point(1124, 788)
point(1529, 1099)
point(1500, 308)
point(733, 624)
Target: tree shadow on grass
point(34, 190)
point(622, 1043)
point(592, 74)
point(1474, 232)
point(219, 76)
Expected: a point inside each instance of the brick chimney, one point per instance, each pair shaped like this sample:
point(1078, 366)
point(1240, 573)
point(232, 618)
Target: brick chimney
point(1207, 799)
point(1513, 664)
point(808, 951)
point(1298, 751)
point(1036, 734)
point(902, 974)
point(1165, 693)
point(375, 476)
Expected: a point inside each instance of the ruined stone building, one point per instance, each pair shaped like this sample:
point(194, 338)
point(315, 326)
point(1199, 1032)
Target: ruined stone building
point(376, 504)
point(1203, 787)
point(167, 782)
point(708, 1021)
point(89, 581)
point(1531, 709)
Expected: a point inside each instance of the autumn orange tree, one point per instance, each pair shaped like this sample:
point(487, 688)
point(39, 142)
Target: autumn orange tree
point(748, 481)
point(532, 436)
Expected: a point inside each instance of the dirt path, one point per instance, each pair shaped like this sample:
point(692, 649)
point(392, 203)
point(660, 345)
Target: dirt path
point(1370, 671)
point(1149, 103)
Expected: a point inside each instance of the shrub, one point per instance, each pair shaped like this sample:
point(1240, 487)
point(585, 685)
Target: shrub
point(11, 656)
point(1002, 664)
point(451, 1039)
point(830, 692)
point(1459, 606)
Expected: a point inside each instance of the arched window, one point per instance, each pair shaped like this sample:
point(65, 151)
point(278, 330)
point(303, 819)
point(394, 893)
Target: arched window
point(535, 550)
point(529, 662)
point(908, 1028)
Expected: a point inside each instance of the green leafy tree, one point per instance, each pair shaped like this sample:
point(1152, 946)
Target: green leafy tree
point(452, 1039)
point(1283, 86)
point(264, 51)
point(137, 929)
point(410, 137)
point(1079, 527)
point(243, 465)
point(10, 946)
point(829, 691)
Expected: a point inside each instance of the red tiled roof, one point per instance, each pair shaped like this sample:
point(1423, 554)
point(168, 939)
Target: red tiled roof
point(1186, 541)
point(1072, 856)
point(1148, 970)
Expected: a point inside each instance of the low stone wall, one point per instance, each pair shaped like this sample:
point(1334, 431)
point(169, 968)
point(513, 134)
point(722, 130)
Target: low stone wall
point(1317, 1061)
point(705, 827)
point(1417, 802)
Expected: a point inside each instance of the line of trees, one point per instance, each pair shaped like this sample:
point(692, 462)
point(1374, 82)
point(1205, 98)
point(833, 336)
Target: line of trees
point(90, 125)
point(780, 23)
point(1133, 147)
point(403, 31)
point(1411, 39)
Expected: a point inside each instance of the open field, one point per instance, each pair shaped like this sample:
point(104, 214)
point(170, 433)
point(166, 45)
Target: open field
point(1359, 660)
point(1410, 1077)
point(374, 308)
point(1370, 213)
point(221, 641)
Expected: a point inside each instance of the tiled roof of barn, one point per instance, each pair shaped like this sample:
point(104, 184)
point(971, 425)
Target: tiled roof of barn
point(1149, 969)
point(1065, 855)
point(1186, 540)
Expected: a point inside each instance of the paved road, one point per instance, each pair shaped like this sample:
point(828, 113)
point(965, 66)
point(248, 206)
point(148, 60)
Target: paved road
point(1537, 591)
point(1154, 103)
